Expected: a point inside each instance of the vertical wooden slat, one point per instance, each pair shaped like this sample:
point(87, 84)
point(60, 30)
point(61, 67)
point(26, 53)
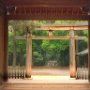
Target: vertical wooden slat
point(72, 55)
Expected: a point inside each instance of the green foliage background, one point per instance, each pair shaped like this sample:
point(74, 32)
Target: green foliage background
point(43, 50)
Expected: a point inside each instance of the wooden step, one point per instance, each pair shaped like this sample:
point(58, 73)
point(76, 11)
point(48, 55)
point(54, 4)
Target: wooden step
point(46, 86)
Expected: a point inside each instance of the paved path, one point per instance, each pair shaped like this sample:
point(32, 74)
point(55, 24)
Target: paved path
point(50, 71)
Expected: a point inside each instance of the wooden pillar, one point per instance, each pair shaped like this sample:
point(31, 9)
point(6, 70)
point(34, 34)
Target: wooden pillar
point(29, 56)
point(3, 47)
point(89, 50)
point(5, 66)
point(72, 55)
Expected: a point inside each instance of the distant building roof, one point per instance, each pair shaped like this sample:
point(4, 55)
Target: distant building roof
point(83, 52)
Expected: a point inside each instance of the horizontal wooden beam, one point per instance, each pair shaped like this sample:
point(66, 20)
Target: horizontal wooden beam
point(21, 37)
point(57, 38)
point(60, 3)
point(80, 38)
point(47, 13)
point(48, 9)
point(52, 37)
point(55, 27)
point(47, 17)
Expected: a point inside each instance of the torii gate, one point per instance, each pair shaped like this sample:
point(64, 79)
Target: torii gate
point(29, 37)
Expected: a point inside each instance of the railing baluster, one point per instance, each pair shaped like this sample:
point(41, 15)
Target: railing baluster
point(16, 72)
point(82, 73)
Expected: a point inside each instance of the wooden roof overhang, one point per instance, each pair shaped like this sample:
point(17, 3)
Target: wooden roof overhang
point(48, 9)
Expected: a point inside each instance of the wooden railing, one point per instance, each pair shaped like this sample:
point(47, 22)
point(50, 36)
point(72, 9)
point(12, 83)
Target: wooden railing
point(16, 72)
point(19, 72)
point(82, 73)
point(82, 64)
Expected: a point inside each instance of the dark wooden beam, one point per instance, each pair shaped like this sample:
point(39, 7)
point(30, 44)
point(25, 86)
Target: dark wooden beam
point(2, 7)
point(52, 13)
point(49, 3)
point(48, 9)
point(48, 17)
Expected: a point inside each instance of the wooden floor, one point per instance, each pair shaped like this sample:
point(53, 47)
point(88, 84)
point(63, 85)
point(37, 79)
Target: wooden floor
point(47, 83)
point(47, 87)
point(47, 79)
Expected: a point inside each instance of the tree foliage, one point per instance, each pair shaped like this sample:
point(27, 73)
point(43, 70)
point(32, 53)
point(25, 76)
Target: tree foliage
point(44, 50)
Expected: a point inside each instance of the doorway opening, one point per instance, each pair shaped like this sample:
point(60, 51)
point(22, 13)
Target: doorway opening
point(50, 58)
point(52, 47)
